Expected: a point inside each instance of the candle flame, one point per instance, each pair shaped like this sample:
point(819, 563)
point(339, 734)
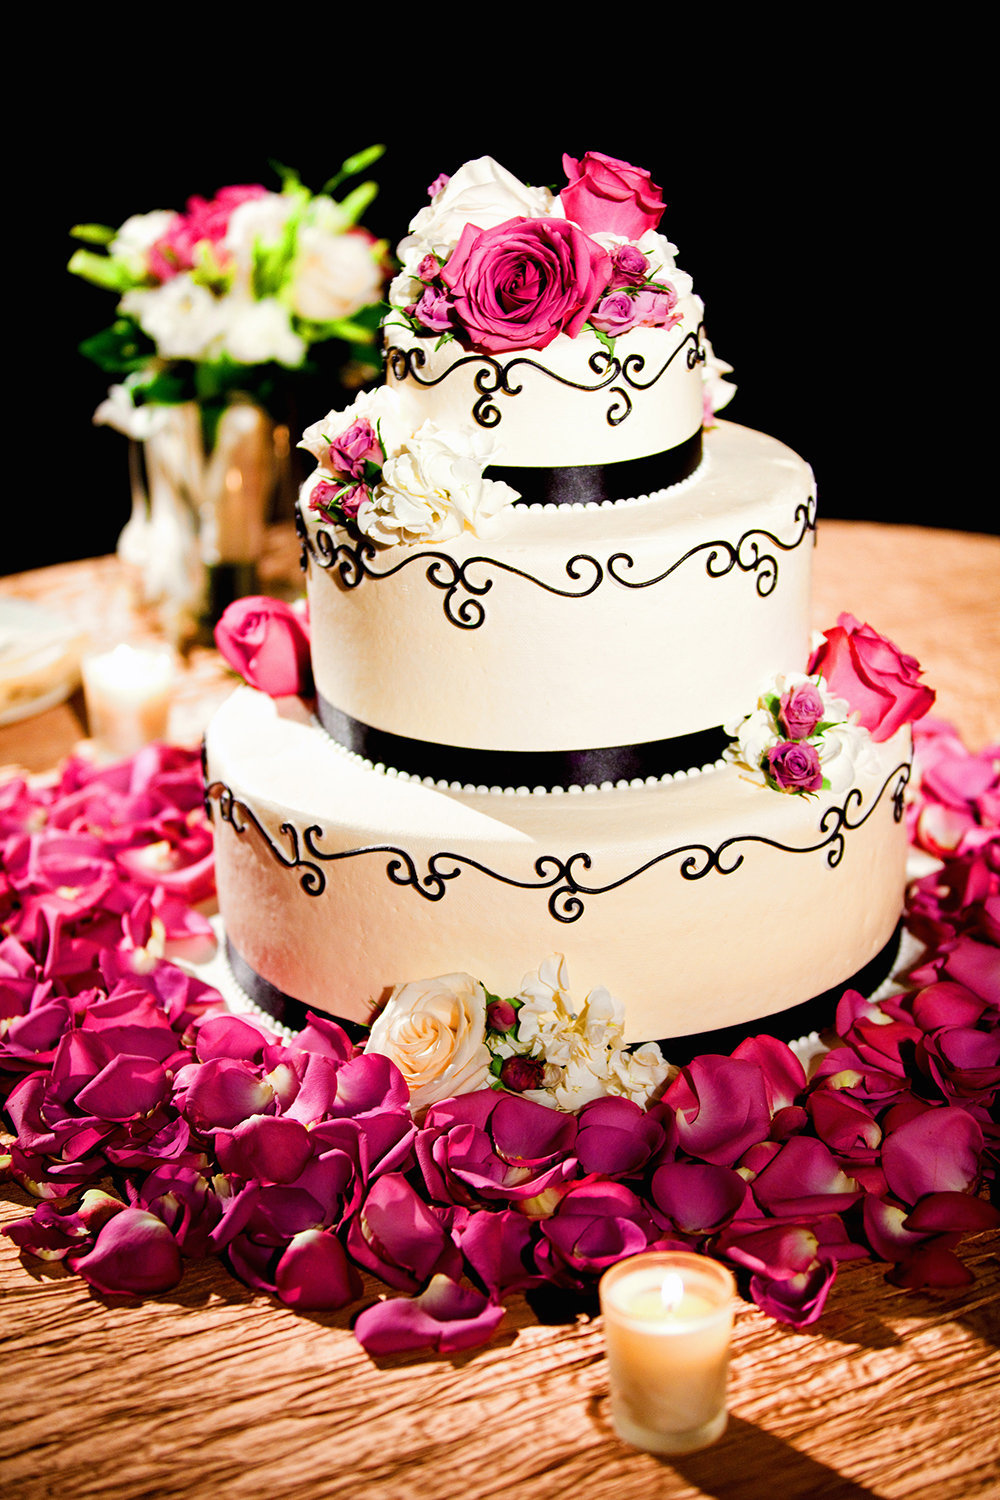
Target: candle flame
point(672, 1291)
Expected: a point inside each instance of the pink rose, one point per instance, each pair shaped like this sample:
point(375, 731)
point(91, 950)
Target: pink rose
point(433, 310)
point(873, 675)
point(630, 265)
point(655, 308)
point(794, 767)
point(353, 448)
point(519, 284)
point(801, 709)
point(206, 220)
point(614, 314)
point(606, 194)
point(267, 643)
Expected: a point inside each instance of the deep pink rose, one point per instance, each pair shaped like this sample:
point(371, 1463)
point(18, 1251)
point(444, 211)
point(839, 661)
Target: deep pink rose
point(874, 676)
point(354, 448)
point(606, 194)
point(794, 767)
point(801, 709)
point(267, 643)
point(519, 284)
point(206, 221)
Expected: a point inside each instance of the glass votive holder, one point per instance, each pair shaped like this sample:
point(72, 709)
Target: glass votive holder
point(668, 1320)
point(127, 691)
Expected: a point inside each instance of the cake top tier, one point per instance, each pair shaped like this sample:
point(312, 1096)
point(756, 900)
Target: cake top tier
point(542, 346)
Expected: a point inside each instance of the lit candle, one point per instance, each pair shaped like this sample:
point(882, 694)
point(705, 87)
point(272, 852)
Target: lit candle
point(668, 1319)
point(127, 692)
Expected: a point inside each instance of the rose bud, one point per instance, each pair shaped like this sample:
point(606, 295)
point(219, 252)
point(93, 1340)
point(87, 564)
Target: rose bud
point(501, 1015)
point(267, 644)
point(522, 1073)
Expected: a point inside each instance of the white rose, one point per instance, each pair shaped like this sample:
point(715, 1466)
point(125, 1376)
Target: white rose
point(183, 318)
point(258, 332)
point(136, 237)
point(755, 736)
point(137, 422)
point(639, 1074)
point(432, 489)
point(258, 221)
point(844, 750)
point(334, 275)
point(434, 1030)
point(483, 193)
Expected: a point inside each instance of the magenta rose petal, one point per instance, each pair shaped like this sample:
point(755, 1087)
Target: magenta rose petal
point(721, 1108)
point(264, 1148)
point(447, 1317)
point(936, 1150)
point(697, 1198)
point(952, 1213)
point(134, 1255)
point(314, 1272)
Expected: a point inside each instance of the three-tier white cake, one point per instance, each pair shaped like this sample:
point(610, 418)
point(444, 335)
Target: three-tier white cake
point(545, 587)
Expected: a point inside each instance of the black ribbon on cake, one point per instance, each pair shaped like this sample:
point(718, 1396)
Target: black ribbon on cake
point(513, 768)
point(582, 484)
point(790, 1025)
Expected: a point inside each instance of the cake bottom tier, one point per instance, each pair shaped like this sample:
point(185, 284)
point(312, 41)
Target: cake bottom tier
point(703, 902)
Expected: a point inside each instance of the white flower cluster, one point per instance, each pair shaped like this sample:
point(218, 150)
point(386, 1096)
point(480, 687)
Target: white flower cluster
point(213, 311)
point(431, 487)
point(438, 1033)
point(584, 1053)
point(841, 744)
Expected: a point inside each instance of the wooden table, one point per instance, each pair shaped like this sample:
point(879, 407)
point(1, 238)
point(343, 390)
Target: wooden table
point(213, 1391)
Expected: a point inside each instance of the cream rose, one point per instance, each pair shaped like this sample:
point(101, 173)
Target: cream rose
point(434, 1030)
point(335, 275)
point(482, 192)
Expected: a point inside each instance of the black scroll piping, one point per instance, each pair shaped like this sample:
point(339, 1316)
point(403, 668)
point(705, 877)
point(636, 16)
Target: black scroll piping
point(496, 377)
point(350, 563)
point(723, 556)
point(564, 879)
point(512, 768)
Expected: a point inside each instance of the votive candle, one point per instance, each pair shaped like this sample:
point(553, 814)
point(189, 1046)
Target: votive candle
point(127, 692)
point(668, 1319)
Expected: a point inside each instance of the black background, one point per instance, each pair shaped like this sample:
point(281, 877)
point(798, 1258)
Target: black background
point(827, 201)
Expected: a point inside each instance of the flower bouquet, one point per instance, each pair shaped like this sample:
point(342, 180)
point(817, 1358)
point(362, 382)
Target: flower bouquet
point(222, 309)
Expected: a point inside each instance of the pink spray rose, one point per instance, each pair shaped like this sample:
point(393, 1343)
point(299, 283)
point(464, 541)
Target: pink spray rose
point(353, 448)
point(794, 767)
point(614, 314)
point(267, 643)
point(205, 222)
point(873, 675)
point(606, 194)
point(801, 709)
point(630, 265)
point(519, 284)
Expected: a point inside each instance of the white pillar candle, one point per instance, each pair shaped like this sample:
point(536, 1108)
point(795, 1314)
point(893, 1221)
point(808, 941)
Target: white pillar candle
point(668, 1319)
point(127, 692)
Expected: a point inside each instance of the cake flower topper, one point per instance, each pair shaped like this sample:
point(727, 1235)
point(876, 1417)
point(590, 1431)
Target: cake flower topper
point(401, 484)
point(810, 732)
point(501, 266)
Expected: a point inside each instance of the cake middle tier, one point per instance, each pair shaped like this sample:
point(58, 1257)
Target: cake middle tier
point(581, 626)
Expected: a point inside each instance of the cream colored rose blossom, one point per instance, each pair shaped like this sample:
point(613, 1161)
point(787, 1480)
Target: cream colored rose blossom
point(182, 318)
point(334, 276)
point(434, 1030)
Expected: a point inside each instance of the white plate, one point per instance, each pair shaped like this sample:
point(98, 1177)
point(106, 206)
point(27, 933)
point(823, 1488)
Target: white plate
point(39, 659)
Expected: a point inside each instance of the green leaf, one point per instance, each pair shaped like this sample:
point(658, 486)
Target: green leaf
point(102, 270)
point(121, 349)
point(93, 234)
point(354, 205)
point(359, 162)
point(603, 338)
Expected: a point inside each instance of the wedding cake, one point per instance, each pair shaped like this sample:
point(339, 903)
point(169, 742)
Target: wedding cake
point(557, 691)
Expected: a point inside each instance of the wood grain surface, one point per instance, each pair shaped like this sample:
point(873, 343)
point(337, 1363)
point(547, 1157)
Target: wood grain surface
point(214, 1391)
